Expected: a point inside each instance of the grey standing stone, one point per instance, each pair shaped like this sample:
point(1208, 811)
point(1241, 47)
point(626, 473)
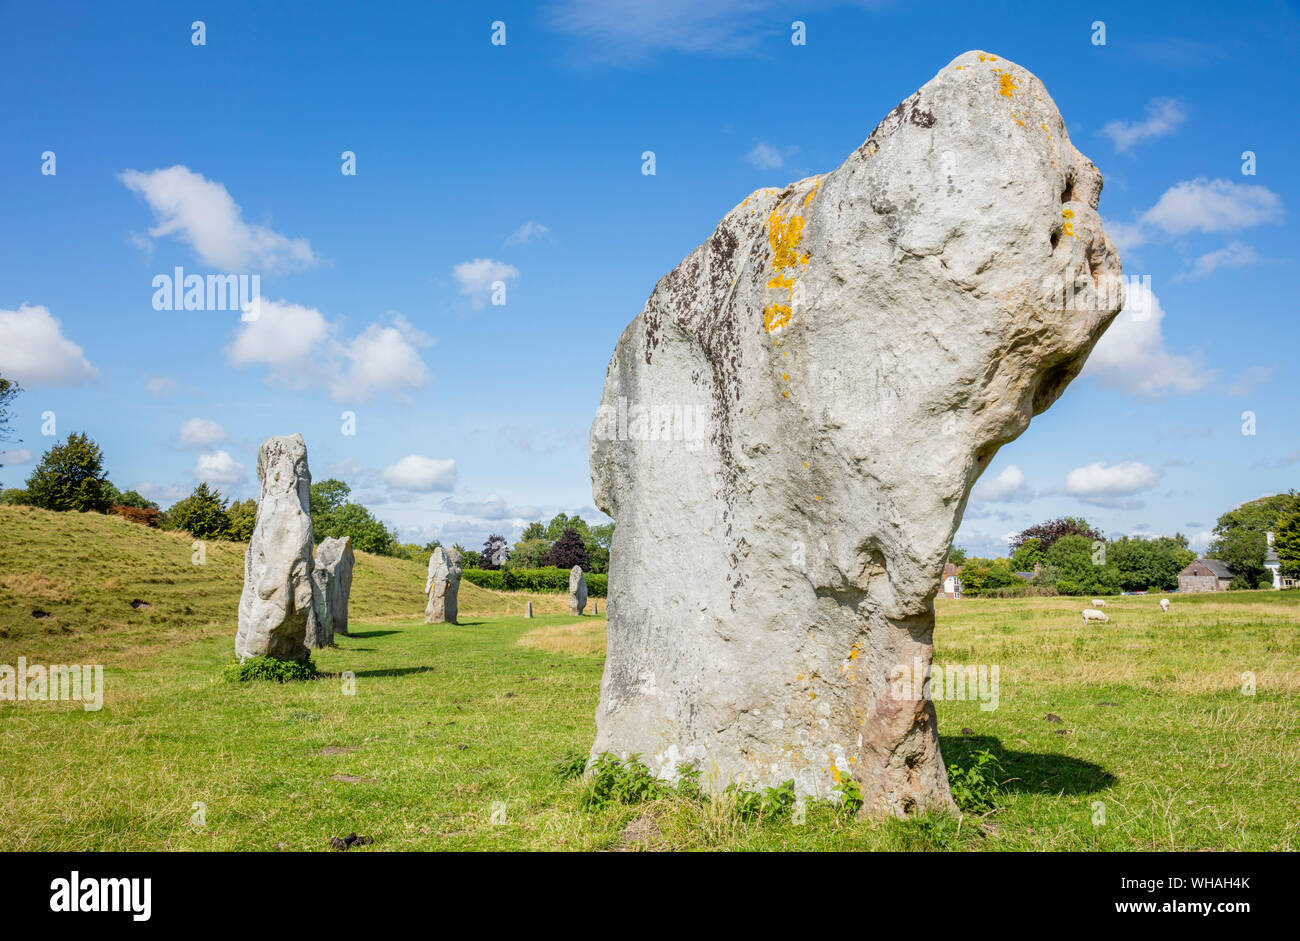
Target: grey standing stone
point(277, 603)
point(528, 612)
point(333, 577)
point(577, 590)
point(442, 586)
point(857, 346)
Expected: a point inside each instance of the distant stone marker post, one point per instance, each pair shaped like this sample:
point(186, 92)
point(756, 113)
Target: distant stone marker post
point(577, 590)
point(861, 343)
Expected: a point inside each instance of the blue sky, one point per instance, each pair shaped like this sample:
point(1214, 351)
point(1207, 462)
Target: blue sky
point(521, 163)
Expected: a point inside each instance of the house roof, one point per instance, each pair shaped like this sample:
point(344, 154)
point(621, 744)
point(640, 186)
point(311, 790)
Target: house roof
point(1220, 569)
point(950, 569)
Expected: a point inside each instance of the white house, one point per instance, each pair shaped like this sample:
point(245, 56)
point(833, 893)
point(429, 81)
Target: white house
point(1273, 564)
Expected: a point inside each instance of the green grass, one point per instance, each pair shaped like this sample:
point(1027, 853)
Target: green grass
point(447, 721)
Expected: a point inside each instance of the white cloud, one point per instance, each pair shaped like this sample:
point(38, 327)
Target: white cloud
point(160, 386)
point(218, 467)
point(620, 33)
point(1126, 235)
point(421, 474)
point(34, 351)
point(528, 232)
point(1234, 255)
point(766, 157)
point(201, 213)
point(200, 432)
point(1250, 377)
point(491, 508)
point(16, 456)
point(1203, 205)
point(1201, 541)
point(1163, 117)
point(1007, 485)
point(162, 495)
point(1131, 355)
point(1102, 483)
point(300, 349)
point(476, 278)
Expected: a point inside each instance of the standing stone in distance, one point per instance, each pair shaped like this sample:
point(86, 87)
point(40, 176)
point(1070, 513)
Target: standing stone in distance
point(334, 559)
point(441, 586)
point(791, 427)
point(277, 600)
point(577, 590)
point(528, 611)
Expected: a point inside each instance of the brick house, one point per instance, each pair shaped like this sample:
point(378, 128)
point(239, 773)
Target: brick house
point(1205, 575)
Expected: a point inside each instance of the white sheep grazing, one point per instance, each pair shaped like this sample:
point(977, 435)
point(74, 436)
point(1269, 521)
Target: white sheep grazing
point(1090, 615)
point(1164, 605)
point(1098, 603)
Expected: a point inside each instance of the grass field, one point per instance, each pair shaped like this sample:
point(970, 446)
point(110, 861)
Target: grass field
point(445, 723)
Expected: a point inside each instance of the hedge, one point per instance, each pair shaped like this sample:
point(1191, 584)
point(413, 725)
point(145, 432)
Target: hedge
point(539, 580)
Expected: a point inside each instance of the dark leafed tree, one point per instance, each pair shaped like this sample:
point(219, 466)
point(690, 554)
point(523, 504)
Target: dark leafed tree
point(70, 476)
point(569, 551)
point(495, 552)
point(1047, 533)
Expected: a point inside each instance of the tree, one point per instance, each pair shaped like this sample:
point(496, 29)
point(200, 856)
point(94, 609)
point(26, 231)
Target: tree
point(1149, 563)
point(529, 553)
point(568, 551)
point(562, 522)
point(243, 518)
point(133, 499)
point(533, 531)
point(15, 496)
point(8, 392)
point(597, 542)
point(333, 516)
point(1286, 540)
point(468, 559)
point(70, 476)
point(1079, 572)
point(1027, 555)
point(956, 554)
point(1243, 551)
point(1047, 533)
point(202, 514)
point(495, 552)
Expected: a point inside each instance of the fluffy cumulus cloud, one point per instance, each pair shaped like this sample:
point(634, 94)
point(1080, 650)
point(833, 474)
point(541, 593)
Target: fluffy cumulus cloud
point(200, 433)
point(300, 348)
point(1163, 117)
point(419, 474)
point(489, 508)
point(475, 278)
point(1203, 205)
point(201, 213)
point(1233, 255)
point(218, 467)
point(528, 232)
point(1108, 484)
point(34, 351)
point(15, 456)
point(1009, 484)
point(1132, 356)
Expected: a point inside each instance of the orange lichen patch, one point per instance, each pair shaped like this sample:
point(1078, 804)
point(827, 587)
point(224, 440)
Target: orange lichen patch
point(985, 58)
point(781, 281)
point(1068, 213)
point(815, 497)
point(1007, 84)
point(805, 465)
point(785, 377)
point(783, 236)
point(960, 67)
point(811, 193)
point(853, 654)
point(776, 317)
point(785, 393)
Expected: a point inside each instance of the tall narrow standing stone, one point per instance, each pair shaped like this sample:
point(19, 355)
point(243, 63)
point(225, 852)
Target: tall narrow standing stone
point(844, 356)
point(277, 600)
point(528, 612)
point(577, 590)
point(441, 586)
point(333, 577)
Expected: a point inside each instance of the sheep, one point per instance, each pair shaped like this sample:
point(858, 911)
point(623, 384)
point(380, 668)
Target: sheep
point(1090, 615)
point(1098, 603)
point(1164, 605)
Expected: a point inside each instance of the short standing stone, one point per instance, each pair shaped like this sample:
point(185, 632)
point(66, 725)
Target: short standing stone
point(333, 575)
point(277, 599)
point(528, 612)
point(441, 586)
point(577, 590)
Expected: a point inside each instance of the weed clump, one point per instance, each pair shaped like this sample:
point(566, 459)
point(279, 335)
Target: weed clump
point(269, 668)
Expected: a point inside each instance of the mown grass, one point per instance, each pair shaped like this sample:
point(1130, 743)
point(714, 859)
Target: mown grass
point(447, 722)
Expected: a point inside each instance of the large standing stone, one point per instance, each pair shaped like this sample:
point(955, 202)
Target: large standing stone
point(859, 345)
point(333, 577)
point(441, 586)
point(277, 604)
point(577, 590)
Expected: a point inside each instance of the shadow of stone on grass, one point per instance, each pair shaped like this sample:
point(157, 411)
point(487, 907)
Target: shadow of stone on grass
point(1030, 772)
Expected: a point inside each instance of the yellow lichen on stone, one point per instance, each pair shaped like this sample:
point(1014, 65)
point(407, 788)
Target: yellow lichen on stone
point(776, 317)
point(783, 236)
point(1007, 84)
